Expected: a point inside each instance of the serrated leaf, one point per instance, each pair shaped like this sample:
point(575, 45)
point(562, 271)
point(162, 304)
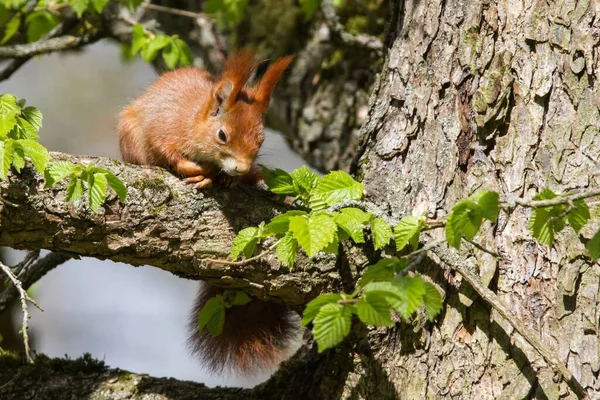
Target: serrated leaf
point(357, 214)
point(334, 246)
point(412, 290)
point(407, 231)
point(153, 46)
point(212, 316)
point(39, 23)
point(99, 5)
point(27, 130)
point(314, 232)
point(593, 246)
point(6, 156)
point(305, 179)
point(313, 307)
point(331, 325)
point(245, 242)
point(12, 27)
point(18, 158)
point(235, 298)
point(57, 171)
point(540, 226)
point(97, 184)
point(373, 309)
point(279, 181)
point(287, 250)
point(579, 216)
point(335, 187)
point(37, 153)
point(79, 6)
point(170, 55)
point(353, 228)
point(281, 223)
point(383, 270)
point(139, 38)
point(462, 221)
point(382, 233)
point(33, 116)
point(488, 201)
point(432, 299)
point(185, 54)
point(9, 109)
point(74, 189)
point(117, 185)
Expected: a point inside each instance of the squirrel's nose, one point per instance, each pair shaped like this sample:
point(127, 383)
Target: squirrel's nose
point(242, 169)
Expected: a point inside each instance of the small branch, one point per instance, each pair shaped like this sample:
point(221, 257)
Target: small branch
point(246, 261)
point(451, 259)
point(361, 40)
point(45, 46)
point(174, 11)
point(482, 248)
point(29, 274)
point(24, 298)
point(510, 202)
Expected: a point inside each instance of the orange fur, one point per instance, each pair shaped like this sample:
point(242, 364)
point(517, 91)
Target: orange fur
point(175, 124)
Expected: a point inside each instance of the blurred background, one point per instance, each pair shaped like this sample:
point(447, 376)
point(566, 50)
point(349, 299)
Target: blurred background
point(132, 318)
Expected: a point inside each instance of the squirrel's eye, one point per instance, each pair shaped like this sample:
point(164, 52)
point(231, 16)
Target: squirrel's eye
point(222, 136)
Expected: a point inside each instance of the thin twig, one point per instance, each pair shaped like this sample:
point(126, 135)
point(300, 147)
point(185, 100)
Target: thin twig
point(452, 260)
point(246, 261)
point(360, 40)
point(27, 260)
point(509, 201)
point(174, 11)
point(482, 248)
point(24, 298)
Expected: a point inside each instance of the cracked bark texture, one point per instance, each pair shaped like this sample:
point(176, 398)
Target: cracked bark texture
point(503, 96)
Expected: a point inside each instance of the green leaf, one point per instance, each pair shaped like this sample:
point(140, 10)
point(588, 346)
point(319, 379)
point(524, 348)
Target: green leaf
point(352, 227)
point(117, 185)
point(462, 221)
point(593, 246)
point(314, 306)
point(37, 153)
point(245, 242)
point(309, 7)
point(488, 201)
point(39, 23)
point(412, 290)
point(383, 270)
point(170, 55)
point(12, 27)
point(382, 233)
point(331, 325)
point(357, 214)
point(281, 223)
point(540, 226)
point(139, 38)
point(28, 131)
point(6, 157)
point(213, 6)
point(335, 187)
point(57, 171)
point(279, 181)
point(314, 232)
point(9, 109)
point(185, 54)
point(79, 6)
point(33, 116)
point(579, 216)
point(407, 231)
point(334, 246)
point(97, 184)
point(74, 189)
point(18, 157)
point(99, 5)
point(212, 316)
point(235, 298)
point(433, 300)
point(305, 179)
point(373, 309)
point(156, 43)
point(287, 250)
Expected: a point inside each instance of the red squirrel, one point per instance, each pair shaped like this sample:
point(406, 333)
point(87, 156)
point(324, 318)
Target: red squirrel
point(207, 130)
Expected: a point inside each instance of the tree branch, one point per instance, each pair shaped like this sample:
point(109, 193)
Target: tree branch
point(46, 46)
point(164, 223)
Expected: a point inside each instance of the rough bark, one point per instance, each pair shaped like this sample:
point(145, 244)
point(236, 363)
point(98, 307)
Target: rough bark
point(163, 223)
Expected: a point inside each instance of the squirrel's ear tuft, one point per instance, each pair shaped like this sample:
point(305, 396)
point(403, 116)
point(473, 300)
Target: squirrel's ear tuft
point(238, 69)
point(268, 81)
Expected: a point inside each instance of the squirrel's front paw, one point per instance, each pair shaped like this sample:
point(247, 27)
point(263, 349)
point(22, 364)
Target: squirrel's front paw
point(199, 181)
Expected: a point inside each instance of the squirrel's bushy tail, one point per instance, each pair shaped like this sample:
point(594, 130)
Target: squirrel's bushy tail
point(255, 337)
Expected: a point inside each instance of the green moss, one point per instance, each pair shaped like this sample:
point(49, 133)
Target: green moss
point(154, 184)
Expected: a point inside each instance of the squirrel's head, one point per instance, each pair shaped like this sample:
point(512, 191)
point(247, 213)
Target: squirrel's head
point(232, 121)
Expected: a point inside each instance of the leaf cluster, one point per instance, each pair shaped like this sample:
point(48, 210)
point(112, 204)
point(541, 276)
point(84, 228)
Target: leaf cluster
point(175, 52)
point(212, 315)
